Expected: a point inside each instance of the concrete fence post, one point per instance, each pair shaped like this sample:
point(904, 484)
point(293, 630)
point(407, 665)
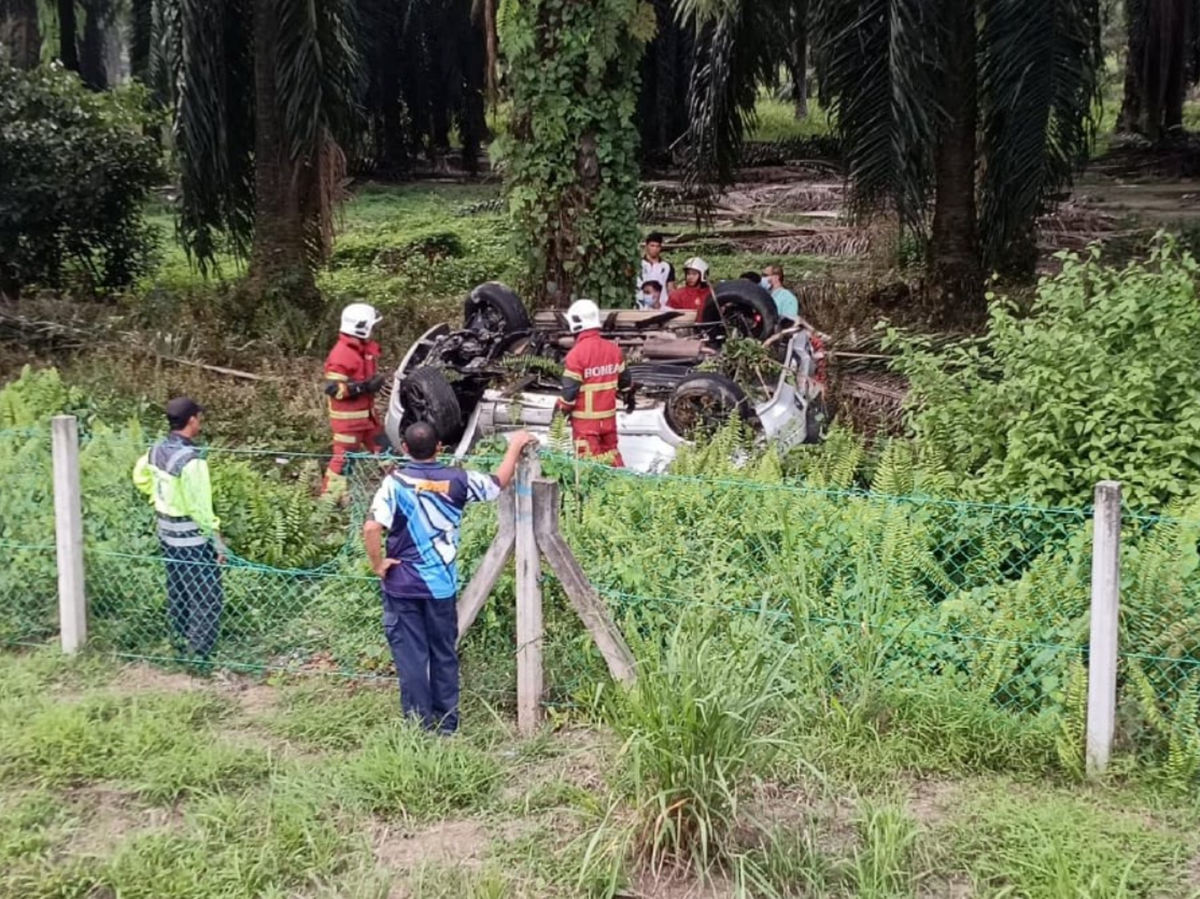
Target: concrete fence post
point(68, 532)
point(1106, 609)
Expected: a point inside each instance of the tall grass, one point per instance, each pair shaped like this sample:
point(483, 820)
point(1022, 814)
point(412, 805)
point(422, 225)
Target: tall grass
point(694, 730)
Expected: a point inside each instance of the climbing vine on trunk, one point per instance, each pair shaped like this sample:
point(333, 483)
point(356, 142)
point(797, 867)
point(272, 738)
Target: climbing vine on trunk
point(570, 158)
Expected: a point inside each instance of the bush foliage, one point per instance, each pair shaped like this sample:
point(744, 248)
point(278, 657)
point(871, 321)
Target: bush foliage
point(76, 167)
point(1095, 382)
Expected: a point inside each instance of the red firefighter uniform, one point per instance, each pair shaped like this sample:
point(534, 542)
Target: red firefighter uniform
point(350, 385)
point(593, 374)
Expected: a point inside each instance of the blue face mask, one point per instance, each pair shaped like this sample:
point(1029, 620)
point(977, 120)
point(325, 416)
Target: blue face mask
point(766, 283)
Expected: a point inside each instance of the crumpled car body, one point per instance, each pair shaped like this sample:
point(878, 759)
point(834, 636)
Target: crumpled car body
point(497, 376)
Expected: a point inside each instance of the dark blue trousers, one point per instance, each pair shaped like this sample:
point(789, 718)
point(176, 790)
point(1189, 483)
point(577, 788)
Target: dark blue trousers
point(422, 634)
point(194, 596)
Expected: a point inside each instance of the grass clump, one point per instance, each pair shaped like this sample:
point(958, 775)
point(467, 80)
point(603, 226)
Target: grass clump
point(694, 731)
point(406, 772)
point(271, 842)
point(162, 746)
point(1052, 845)
point(332, 717)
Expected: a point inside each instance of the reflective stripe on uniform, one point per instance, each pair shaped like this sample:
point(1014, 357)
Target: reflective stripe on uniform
point(573, 375)
point(336, 376)
point(177, 526)
point(349, 416)
point(595, 416)
point(593, 386)
point(173, 540)
point(345, 438)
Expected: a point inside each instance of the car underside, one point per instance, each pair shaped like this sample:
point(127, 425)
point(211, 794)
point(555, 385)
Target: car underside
point(502, 371)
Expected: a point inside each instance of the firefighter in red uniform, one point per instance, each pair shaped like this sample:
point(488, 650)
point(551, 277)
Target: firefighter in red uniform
point(593, 374)
point(351, 384)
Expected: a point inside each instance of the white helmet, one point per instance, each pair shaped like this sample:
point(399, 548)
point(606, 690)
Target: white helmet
point(699, 265)
point(584, 315)
point(358, 319)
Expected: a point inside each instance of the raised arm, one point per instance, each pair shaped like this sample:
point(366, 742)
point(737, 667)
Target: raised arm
point(508, 467)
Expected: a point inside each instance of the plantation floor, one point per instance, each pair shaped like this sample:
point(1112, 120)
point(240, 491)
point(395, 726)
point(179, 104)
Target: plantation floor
point(135, 782)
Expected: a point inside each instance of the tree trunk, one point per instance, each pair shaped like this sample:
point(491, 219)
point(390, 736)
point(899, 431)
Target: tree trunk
point(1163, 68)
point(798, 58)
point(68, 54)
point(954, 246)
point(1130, 119)
point(92, 56)
point(278, 258)
point(140, 35)
point(21, 35)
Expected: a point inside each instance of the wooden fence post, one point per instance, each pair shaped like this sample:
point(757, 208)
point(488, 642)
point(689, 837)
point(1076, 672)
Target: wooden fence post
point(529, 526)
point(530, 680)
point(584, 600)
point(1106, 607)
point(68, 532)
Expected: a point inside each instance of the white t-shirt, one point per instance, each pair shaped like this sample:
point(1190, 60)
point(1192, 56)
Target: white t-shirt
point(662, 272)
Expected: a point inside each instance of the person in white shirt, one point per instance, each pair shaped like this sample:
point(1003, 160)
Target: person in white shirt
point(655, 268)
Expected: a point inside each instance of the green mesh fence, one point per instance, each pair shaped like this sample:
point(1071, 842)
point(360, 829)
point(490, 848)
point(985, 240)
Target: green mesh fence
point(28, 572)
point(907, 593)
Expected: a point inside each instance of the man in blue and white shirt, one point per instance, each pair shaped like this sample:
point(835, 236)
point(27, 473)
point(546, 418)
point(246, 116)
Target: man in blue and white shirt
point(420, 506)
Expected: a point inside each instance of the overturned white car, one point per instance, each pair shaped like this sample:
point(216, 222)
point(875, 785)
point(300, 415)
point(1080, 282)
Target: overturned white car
point(502, 372)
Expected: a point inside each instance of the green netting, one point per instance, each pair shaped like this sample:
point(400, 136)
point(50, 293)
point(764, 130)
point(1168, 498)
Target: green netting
point(906, 593)
point(28, 572)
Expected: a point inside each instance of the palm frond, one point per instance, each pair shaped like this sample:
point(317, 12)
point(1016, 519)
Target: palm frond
point(1040, 62)
point(880, 65)
point(214, 128)
point(734, 52)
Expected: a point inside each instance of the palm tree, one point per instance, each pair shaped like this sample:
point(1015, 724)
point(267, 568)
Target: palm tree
point(1162, 61)
point(963, 105)
point(20, 35)
point(426, 64)
point(261, 114)
point(738, 45)
point(962, 116)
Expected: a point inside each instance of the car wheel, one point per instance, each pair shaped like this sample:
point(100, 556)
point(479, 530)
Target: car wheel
point(428, 396)
point(746, 309)
point(495, 308)
point(703, 403)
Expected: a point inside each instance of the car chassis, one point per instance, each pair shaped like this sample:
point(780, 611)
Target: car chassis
point(502, 372)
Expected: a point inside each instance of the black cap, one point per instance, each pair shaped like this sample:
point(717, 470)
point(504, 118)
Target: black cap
point(181, 409)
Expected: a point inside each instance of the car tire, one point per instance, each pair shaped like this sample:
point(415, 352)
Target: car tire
point(427, 396)
point(746, 309)
point(703, 403)
point(494, 307)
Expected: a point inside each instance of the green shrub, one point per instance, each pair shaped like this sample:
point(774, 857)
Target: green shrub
point(76, 167)
point(1095, 382)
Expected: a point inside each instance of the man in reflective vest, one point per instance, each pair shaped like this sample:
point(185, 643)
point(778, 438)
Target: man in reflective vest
point(351, 383)
point(593, 374)
point(175, 477)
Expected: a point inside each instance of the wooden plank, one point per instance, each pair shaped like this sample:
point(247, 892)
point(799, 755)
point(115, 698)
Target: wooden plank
point(473, 598)
point(583, 597)
point(530, 683)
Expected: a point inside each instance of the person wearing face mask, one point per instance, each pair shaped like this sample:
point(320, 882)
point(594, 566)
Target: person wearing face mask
point(696, 292)
point(785, 301)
